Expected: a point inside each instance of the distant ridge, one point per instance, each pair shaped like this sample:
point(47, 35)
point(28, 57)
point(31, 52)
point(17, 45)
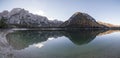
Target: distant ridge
point(108, 24)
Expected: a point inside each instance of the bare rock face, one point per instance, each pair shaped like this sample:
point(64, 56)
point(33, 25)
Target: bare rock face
point(55, 23)
point(18, 17)
point(81, 20)
point(3, 14)
point(23, 18)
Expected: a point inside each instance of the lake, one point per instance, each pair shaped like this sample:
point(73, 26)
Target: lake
point(59, 44)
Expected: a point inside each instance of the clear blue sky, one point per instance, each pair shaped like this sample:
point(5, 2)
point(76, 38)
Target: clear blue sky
point(101, 10)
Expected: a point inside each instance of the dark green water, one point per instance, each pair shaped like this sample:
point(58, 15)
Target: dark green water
point(60, 44)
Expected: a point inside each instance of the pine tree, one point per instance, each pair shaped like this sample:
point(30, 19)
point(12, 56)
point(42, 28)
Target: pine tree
point(2, 23)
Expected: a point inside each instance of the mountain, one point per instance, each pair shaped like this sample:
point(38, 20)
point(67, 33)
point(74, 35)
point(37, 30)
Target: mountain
point(81, 20)
point(18, 17)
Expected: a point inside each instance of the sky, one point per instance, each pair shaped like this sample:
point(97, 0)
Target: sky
point(102, 10)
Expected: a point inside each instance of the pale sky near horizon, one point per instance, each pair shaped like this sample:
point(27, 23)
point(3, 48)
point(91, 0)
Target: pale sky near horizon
point(101, 10)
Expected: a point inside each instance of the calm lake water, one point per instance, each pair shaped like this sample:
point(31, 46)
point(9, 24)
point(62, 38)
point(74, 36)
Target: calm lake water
point(59, 44)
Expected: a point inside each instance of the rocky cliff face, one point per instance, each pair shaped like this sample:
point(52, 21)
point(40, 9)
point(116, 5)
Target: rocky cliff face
point(81, 20)
point(22, 18)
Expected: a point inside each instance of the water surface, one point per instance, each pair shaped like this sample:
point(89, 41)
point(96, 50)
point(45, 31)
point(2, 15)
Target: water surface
point(59, 44)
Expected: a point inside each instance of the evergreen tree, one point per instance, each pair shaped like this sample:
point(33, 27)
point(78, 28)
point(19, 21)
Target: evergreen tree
point(2, 23)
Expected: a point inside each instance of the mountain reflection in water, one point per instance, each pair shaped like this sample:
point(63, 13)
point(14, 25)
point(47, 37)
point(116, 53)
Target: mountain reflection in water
point(22, 39)
point(55, 44)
